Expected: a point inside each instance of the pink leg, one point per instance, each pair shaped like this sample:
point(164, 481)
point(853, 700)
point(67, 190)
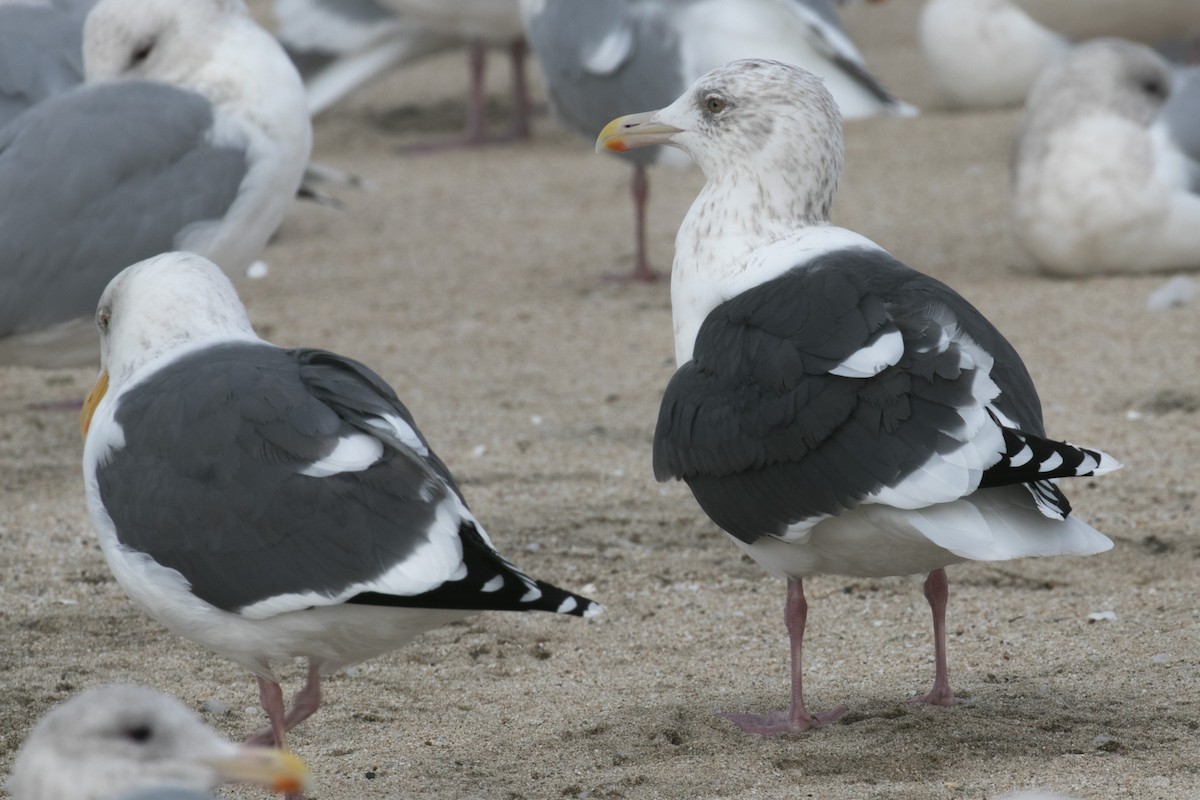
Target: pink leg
point(304, 705)
point(937, 592)
point(797, 718)
point(270, 696)
point(522, 107)
point(640, 188)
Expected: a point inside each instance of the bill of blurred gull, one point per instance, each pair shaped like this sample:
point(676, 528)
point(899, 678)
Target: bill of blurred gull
point(834, 411)
point(985, 53)
point(120, 741)
point(1101, 184)
point(41, 55)
point(273, 504)
point(601, 57)
point(190, 132)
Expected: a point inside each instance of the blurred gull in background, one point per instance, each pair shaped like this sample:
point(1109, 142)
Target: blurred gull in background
point(190, 133)
point(1101, 184)
point(602, 57)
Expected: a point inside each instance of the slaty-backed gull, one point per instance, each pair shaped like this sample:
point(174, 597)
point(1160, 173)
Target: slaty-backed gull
point(271, 504)
point(835, 411)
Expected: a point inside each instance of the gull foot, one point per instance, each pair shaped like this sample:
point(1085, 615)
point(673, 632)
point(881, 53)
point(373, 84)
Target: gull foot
point(783, 721)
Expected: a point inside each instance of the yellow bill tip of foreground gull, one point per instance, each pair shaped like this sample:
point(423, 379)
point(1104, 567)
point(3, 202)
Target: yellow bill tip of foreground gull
point(633, 131)
point(281, 771)
point(89, 404)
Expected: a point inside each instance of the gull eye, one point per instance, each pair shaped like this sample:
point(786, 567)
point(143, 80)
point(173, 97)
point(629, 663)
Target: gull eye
point(714, 104)
point(102, 318)
point(141, 53)
point(139, 733)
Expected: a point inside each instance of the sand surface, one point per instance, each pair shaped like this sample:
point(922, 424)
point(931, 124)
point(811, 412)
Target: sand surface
point(472, 282)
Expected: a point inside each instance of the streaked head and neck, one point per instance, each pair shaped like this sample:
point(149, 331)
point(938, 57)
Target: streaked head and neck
point(768, 137)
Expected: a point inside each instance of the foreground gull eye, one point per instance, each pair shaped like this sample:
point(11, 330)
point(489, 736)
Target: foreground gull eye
point(102, 320)
point(714, 104)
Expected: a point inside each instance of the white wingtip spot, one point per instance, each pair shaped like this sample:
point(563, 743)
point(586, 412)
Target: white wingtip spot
point(493, 585)
point(534, 594)
point(1107, 464)
point(1021, 458)
point(1053, 462)
point(593, 610)
point(567, 606)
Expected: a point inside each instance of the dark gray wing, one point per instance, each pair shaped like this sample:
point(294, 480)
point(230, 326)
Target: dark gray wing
point(41, 55)
point(106, 175)
point(767, 434)
point(211, 482)
point(601, 58)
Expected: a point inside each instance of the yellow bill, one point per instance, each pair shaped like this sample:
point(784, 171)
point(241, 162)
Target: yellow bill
point(89, 404)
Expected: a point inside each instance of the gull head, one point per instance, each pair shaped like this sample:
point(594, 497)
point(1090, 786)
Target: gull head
point(750, 120)
point(116, 739)
point(162, 307)
point(1102, 76)
point(163, 40)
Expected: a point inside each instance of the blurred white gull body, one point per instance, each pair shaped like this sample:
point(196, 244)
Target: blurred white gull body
point(985, 53)
point(602, 57)
point(190, 132)
point(110, 741)
point(1101, 184)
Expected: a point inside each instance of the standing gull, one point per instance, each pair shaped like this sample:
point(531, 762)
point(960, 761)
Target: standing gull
point(112, 741)
point(190, 132)
point(482, 24)
point(271, 504)
point(1101, 184)
point(600, 57)
point(835, 411)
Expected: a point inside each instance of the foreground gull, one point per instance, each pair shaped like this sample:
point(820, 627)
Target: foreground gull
point(117, 741)
point(199, 145)
point(985, 53)
point(835, 411)
point(1100, 182)
point(273, 504)
point(600, 57)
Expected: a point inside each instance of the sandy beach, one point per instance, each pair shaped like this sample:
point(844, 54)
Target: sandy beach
point(473, 282)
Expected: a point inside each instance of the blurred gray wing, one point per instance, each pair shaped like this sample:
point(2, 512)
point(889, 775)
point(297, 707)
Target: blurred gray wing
point(107, 175)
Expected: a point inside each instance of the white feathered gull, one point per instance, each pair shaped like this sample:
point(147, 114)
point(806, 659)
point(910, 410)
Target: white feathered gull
point(985, 53)
point(1101, 183)
point(122, 740)
point(271, 504)
point(601, 57)
point(190, 132)
point(835, 411)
